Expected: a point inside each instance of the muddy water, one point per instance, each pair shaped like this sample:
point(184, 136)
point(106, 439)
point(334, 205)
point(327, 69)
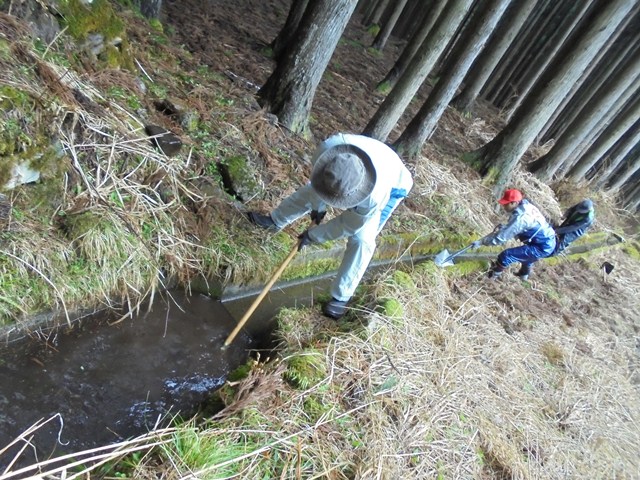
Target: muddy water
point(107, 382)
point(104, 382)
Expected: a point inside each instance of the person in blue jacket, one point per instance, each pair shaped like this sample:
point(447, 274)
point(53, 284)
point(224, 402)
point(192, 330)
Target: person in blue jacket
point(577, 221)
point(526, 224)
point(365, 179)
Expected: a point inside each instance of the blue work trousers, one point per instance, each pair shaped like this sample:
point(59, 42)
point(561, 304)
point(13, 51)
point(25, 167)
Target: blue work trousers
point(526, 254)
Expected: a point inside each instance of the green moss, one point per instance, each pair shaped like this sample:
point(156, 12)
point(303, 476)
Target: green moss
point(428, 269)
point(465, 268)
point(311, 268)
point(315, 408)
point(241, 372)
point(384, 88)
point(373, 29)
point(22, 135)
point(156, 25)
point(237, 166)
point(305, 369)
point(632, 251)
point(392, 308)
point(98, 17)
point(50, 162)
point(5, 49)
point(403, 279)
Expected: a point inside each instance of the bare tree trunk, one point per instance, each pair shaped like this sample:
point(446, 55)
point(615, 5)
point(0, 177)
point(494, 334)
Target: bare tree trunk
point(149, 8)
point(391, 109)
point(594, 136)
point(600, 71)
point(412, 47)
point(376, 13)
point(363, 6)
point(634, 202)
point(411, 18)
point(502, 38)
point(500, 86)
point(289, 91)
point(472, 41)
point(498, 158)
point(296, 13)
point(622, 151)
point(605, 141)
point(384, 33)
point(631, 168)
point(545, 57)
point(631, 199)
point(618, 92)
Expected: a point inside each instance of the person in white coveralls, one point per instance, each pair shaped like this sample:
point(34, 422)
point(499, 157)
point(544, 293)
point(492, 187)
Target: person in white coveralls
point(365, 179)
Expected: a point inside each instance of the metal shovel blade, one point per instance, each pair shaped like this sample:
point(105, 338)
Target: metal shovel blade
point(443, 259)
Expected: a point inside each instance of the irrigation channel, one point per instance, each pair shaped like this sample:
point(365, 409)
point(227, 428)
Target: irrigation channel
point(100, 381)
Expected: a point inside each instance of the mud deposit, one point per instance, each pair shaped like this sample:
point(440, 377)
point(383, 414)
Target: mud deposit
point(105, 383)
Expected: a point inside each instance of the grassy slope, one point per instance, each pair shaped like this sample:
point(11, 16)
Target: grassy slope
point(435, 374)
point(444, 376)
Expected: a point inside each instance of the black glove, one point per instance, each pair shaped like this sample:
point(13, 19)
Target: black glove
point(304, 240)
point(317, 216)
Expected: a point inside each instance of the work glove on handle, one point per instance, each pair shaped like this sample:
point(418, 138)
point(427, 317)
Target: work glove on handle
point(304, 240)
point(317, 216)
point(487, 239)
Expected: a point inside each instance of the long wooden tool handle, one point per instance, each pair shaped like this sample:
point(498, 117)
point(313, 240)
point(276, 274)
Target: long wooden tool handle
point(264, 292)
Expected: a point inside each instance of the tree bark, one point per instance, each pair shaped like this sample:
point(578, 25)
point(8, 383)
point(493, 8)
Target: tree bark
point(472, 41)
point(391, 109)
point(411, 18)
point(610, 136)
point(500, 84)
point(631, 198)
point(409, 52)
point(296, 13)
point(546, 56)
point(364, 8)
point(289, 91)
point(498, 158)
point(383, 35)
point(631, 167)
point(502, 38)
point(376, 13)
point(149, 8)
point(618, 92)
point(606, 177)
point(600, 71)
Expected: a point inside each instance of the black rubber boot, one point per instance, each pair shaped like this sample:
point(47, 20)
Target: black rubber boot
point(262, 221)
point(335, 309)
point(524, 272)
point(495, 272)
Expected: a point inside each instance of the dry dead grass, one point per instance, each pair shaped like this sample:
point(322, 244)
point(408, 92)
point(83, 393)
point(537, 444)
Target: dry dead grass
point(460, 384)
point(473, 380)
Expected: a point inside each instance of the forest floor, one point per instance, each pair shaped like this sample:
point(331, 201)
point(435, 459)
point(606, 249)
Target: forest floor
point(235, 36)
point(476, 379)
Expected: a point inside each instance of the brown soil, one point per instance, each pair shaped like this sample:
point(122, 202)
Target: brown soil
point(235, 36)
